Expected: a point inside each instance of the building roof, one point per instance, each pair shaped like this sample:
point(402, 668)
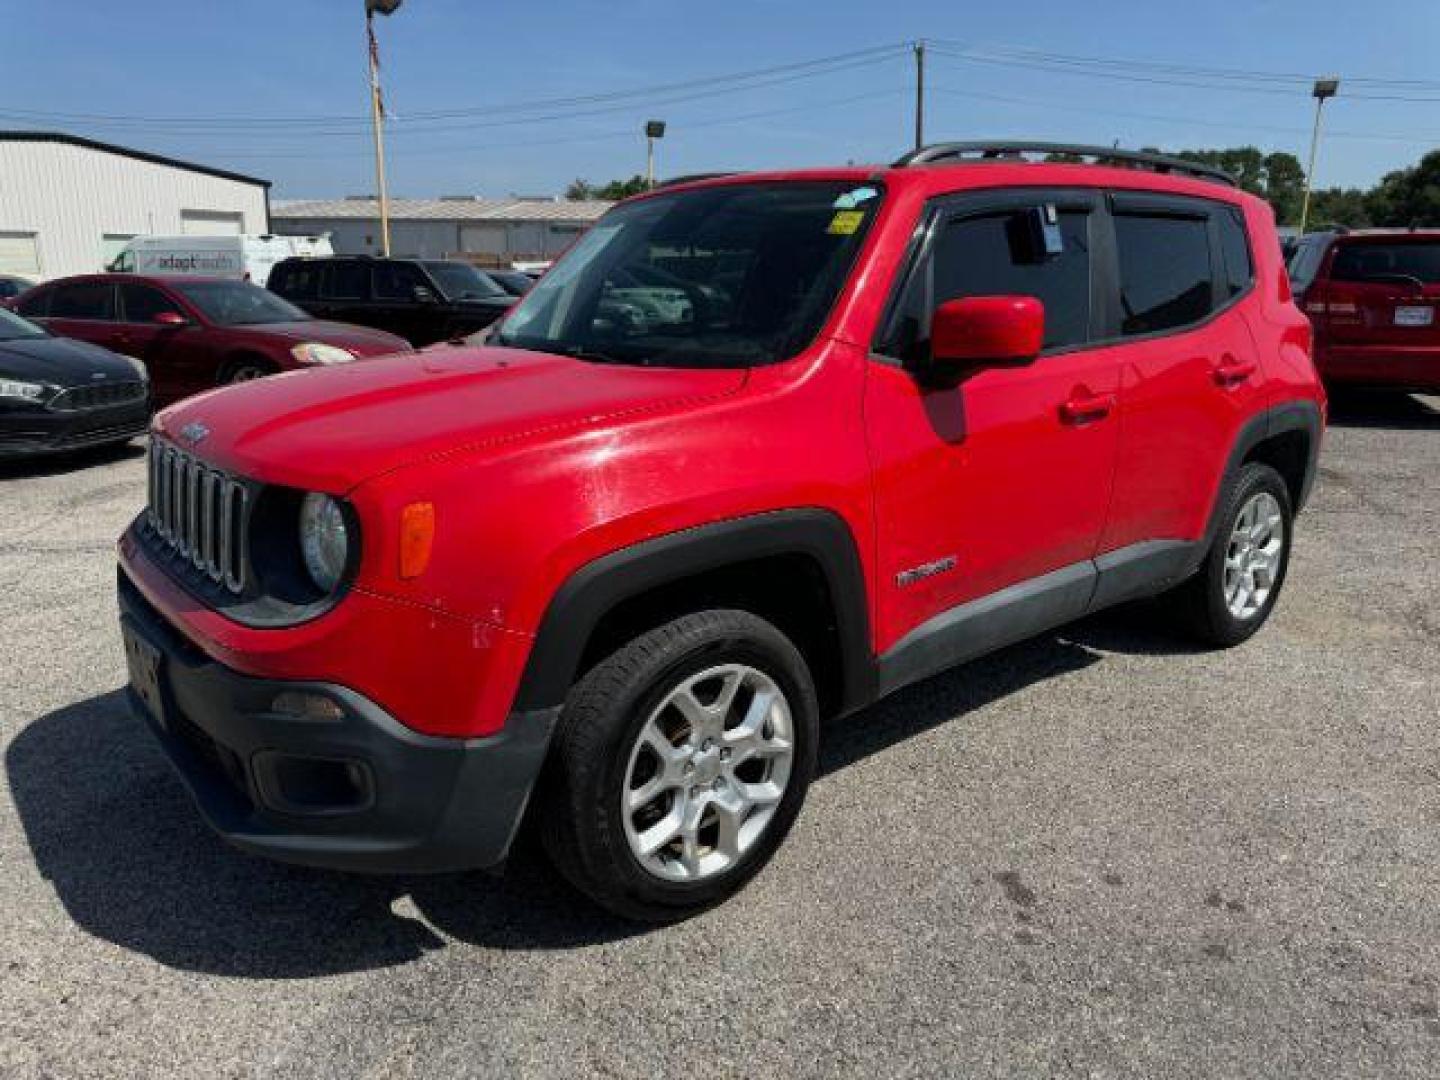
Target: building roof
point(125, 151)
point(562, 210)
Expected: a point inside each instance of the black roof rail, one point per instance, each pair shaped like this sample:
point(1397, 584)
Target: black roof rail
point(691, 178)
point(959, 153)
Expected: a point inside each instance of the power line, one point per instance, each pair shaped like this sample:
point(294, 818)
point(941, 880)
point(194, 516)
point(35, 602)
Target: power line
point(727, 83)
point(1155, 73)
point(1170, 119)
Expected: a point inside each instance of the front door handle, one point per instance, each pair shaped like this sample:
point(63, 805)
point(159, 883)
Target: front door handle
point(1085, 408)
point(1231, 372)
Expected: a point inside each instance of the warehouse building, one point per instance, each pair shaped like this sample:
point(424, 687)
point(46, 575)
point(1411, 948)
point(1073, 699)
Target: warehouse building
point(68, 205)
point(480, 230)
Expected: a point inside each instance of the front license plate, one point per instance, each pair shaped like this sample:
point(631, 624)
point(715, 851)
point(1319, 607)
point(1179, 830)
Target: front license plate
point(144, 661)
point(1414, 316)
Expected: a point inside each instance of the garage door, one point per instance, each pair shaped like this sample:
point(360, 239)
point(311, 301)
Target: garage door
point(19, 254)
point(211, 223)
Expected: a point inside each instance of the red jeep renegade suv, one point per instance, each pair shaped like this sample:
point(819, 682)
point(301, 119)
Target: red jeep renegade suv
point(758, 450)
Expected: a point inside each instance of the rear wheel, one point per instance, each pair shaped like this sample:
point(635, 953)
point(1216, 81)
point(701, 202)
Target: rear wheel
point(679, 765)
point(1236, 588)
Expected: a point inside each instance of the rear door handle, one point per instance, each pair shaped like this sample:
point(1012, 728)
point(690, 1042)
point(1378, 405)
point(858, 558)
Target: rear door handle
point(1087, 408)
point(1231, 372)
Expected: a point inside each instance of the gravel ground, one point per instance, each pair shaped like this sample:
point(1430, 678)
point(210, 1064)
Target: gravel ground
point(1095, 854)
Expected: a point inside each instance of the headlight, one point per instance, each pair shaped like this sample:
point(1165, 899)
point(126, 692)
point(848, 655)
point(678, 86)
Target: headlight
point(313, 352)
point(139, 366)
point(24, 391)
point(324, 540)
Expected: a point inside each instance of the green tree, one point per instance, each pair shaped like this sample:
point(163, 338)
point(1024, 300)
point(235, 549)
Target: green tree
point(1408, 196)
point(1339, 206)
point(613, 191)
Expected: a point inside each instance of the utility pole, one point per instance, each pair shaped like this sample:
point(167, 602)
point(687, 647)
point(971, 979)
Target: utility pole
point(377, 114)
point(1324, 89)
point(919, 48)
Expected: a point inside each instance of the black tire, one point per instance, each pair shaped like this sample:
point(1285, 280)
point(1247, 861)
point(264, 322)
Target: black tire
point(1200, 603)
point(245, 369)
point(579, 804)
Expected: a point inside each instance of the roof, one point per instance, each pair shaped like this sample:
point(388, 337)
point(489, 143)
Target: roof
point(125, 151)
point(442, 209)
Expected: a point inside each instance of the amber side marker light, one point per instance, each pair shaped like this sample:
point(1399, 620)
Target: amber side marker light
point(417, 537)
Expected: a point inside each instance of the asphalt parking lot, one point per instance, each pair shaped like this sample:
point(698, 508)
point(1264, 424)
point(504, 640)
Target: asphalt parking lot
point(1096, 854)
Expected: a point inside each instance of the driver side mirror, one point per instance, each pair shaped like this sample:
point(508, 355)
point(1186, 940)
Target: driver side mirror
point(423, 294)
point(170, 318)
point(982, 331)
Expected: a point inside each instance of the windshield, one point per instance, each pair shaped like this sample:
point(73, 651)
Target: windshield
point(461, 282)
point(728, 276)
point(14, 328)
point(237, 303)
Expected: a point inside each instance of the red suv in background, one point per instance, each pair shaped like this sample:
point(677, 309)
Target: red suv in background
point(195, 333)
point(875, 421)
point(1373, 296)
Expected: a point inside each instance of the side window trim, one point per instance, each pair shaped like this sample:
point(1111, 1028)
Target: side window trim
point(916, 269)
point(1181, 206)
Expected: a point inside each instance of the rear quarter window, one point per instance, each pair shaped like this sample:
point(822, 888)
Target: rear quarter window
point(1235, 252)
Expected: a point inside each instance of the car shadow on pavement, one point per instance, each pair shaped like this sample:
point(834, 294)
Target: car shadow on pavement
point(1376, 409)
point(113, 831)
point(55, 464)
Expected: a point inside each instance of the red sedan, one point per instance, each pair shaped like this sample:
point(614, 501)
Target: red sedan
point(196, 333)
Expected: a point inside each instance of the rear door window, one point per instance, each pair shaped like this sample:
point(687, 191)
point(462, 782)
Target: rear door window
point(1411, 263)
point(1166, 280)
point(398, 281)
point(84, 300)
point(347, 281)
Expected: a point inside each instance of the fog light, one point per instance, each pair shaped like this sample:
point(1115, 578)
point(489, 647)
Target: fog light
point(305, 706)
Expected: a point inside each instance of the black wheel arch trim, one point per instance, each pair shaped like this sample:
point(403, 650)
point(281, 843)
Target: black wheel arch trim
point(590, 592)
point(1276, 420)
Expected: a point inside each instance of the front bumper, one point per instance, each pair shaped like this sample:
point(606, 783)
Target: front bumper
point(33, 432)
point(361, 792)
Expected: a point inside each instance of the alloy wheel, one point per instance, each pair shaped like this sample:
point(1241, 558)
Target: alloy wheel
point(707, 772)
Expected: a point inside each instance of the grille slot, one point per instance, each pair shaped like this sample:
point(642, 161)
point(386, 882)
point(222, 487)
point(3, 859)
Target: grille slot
point(199, 513)
point(97, 396)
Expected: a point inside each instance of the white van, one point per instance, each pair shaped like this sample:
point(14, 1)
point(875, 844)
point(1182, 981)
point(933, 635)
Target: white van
point(246, 258)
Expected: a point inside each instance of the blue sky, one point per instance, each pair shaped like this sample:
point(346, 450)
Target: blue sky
point(277, 87)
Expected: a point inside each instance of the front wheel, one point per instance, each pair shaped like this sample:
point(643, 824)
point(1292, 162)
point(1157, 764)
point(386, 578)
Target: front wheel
point(1236, 587)
point(679, 765)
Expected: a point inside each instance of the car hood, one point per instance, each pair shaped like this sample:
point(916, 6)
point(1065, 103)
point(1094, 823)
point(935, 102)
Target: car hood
point(329, 429)
point(62, 362)
point(360, 340)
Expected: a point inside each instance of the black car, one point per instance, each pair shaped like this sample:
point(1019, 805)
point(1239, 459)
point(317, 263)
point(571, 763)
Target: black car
point(12, 286)
point(57, 394)
point(512, 281)
point(422, 300)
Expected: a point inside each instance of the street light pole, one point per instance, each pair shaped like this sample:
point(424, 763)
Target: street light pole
point(377, 114)
point(654, 129)
point(1323, 90)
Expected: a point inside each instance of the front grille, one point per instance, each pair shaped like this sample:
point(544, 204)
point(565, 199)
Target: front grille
point(199, 513)
point(97, 396)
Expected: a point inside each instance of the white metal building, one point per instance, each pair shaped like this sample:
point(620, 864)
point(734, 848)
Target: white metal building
point(67, 204)
point(496, 230)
